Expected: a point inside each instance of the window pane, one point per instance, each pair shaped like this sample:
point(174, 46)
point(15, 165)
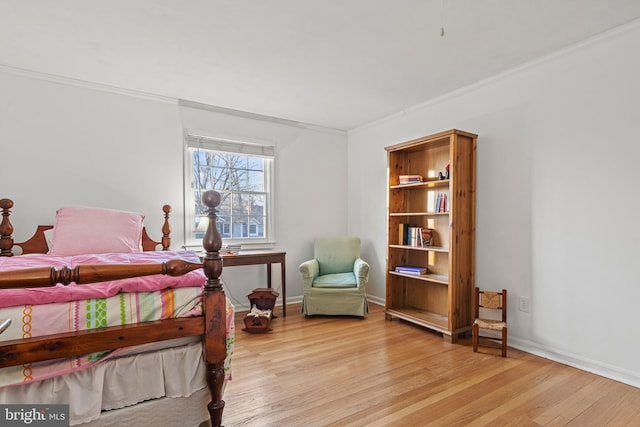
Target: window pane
point(255, 163)
point(256, 226)
point(217, 178)
point(224, 226)
point(225, 204)
point(257, 204)
point(201, 226)
point(255, 180)
point(240, 205)
point(239, 227)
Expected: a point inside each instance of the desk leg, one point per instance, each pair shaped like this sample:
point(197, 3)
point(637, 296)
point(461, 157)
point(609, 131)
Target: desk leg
point(269, 281)
point(283, 270)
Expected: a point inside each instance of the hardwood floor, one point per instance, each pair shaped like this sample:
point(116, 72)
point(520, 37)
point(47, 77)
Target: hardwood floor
point(332, 371)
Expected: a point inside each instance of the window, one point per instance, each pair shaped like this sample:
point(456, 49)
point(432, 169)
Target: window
point(243, 174)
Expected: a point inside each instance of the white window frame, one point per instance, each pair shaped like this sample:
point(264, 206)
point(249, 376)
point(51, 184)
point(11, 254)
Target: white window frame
point(193, 141)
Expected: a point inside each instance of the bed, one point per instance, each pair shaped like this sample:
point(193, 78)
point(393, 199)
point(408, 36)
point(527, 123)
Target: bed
point(134, 336)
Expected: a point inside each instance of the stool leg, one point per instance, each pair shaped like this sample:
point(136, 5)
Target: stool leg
point(504, 342)
point(475, 338)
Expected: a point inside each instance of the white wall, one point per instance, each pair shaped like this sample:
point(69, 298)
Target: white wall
point(64, 144)
point(67, 145)
point(557, 197)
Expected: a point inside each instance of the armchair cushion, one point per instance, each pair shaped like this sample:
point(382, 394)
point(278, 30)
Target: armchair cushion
point(336, 280)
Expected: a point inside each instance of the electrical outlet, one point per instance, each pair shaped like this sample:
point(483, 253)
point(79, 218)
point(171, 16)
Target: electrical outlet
point(525, 304)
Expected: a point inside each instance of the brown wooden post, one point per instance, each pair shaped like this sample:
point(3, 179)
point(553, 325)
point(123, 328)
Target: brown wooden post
point(6, 229)
point(215, 310)
point(40, 277)
point(166, 229)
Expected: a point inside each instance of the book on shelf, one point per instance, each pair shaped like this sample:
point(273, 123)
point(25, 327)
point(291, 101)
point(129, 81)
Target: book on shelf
point(407, 269)
point(402, 231)
point(438, 202)
point(409, 179)
point(412, 235)
point(426, 235)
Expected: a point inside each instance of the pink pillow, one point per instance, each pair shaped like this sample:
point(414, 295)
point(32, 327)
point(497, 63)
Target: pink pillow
point(81, 230)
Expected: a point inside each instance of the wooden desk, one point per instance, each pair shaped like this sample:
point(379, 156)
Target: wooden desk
point(260, 257)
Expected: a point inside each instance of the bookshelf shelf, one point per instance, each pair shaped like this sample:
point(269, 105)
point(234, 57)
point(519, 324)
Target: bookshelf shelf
point(435, 278)
point(421, 317)
point(425, 184)
point(442, 299)
point(405, 214)
point(421, 248)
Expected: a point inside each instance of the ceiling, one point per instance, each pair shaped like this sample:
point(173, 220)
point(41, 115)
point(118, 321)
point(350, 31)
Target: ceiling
point(333, 63)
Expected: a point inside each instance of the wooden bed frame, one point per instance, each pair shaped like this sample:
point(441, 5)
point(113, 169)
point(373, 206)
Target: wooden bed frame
point(212, 325)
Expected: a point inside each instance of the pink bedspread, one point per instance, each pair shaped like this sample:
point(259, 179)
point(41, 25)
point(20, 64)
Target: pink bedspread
point(74, 292)
point(122, 309)
point(61, 309)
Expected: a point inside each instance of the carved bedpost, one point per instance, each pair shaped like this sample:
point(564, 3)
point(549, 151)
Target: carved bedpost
point(6, 229)
point(40, 277)
point(215, 310)
point(166, 229)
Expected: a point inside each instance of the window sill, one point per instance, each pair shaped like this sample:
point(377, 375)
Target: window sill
point(243, 246)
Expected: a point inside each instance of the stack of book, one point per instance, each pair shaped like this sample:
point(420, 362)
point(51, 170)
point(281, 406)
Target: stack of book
point(231, 249)
point(442, 202)
point(406, 269)
point(410, 179)
point(411, 235)
point(438, 202)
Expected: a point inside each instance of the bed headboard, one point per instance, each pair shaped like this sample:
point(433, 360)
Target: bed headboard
point(37, 244)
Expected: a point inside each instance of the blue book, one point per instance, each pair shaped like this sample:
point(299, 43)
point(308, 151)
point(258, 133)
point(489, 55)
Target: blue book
point(410, 269)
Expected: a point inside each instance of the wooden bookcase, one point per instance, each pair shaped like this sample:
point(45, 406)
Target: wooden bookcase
point(440, 299)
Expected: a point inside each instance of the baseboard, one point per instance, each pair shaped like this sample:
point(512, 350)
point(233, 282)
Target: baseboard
point(241, 307)
point(376, 300)
point(579, 362)
point(244, 307)
point(294, 300)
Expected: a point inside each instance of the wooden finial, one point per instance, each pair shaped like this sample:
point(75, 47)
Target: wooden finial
point(212, 241)
point(166, 228)
point(6, 228)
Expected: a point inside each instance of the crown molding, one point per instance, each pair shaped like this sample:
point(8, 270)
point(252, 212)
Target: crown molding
point(255, 116)
point(21, 72)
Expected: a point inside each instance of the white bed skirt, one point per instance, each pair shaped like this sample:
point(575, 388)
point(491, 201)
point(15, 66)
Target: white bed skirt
point(166, 412)
point(99, 393)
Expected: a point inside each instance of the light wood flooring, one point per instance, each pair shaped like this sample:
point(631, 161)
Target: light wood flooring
point(332, 371)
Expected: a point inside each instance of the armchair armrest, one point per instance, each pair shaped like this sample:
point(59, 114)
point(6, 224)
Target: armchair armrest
point(309, 270)
point(361, 271)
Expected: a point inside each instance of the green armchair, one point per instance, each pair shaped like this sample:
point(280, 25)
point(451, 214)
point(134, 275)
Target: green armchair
point(334, 280)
